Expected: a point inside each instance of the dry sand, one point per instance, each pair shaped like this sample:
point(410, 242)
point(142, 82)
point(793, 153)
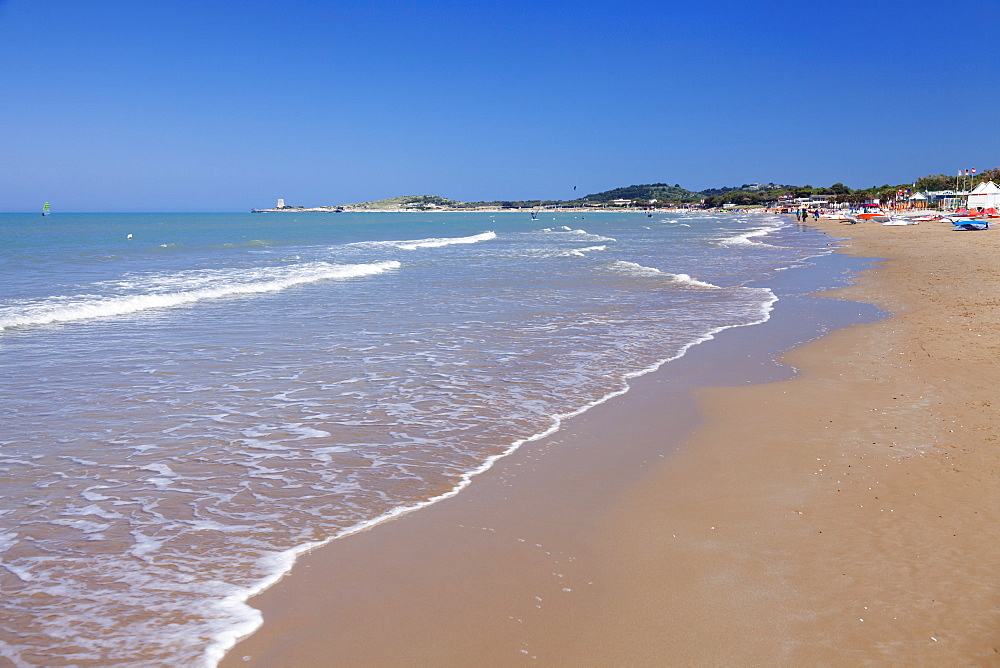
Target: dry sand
point(845, 516)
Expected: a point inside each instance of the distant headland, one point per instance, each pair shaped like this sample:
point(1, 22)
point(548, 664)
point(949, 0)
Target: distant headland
point(662, 195)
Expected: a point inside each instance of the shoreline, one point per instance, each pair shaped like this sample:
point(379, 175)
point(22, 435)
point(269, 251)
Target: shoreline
point(565, 209)
point(869, 535)
point(477, 577)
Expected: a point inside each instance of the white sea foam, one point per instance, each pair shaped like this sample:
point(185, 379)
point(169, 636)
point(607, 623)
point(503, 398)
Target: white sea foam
point(747, 238)
point(162, 469)
point(582, 234)
point(572, 252)
point(94, 496)
point(93, 509)
point(687, 280)
point(633, 269)
point(22, 573)
point(284, 561)
point(219, 481)
point(144, 544)
point(437, 243)
point(83, 526)
point(434, 242)
point(309, 432)
point(7, 540)
point(216, 286)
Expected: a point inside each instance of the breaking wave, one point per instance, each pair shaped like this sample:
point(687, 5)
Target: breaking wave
point(205, 285)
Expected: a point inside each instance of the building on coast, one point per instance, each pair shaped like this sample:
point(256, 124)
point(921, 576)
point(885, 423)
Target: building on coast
point(985, 196)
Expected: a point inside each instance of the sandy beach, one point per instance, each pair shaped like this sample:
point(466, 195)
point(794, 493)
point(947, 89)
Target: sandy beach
point(845, 514)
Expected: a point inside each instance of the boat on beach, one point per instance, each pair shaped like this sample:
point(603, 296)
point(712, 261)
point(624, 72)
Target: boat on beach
point(872, 214)
point(836, 215)
point(963, 223)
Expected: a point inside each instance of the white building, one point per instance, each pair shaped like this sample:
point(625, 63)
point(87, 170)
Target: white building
point(985, 196)
point(281, 204)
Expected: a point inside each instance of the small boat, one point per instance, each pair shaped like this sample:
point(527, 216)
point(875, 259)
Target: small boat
point(898, 220)
point(962, 223)
point(45, 209)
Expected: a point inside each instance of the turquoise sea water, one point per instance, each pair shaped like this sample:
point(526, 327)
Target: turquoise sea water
point(187, 409)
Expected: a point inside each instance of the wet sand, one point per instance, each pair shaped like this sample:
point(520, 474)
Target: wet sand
point(844, 515)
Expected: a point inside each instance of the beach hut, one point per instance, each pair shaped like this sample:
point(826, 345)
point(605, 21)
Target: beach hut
point(984, 196)
point(918, 200)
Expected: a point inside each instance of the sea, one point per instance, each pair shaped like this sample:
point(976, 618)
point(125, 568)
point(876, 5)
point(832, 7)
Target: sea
point(189, 401)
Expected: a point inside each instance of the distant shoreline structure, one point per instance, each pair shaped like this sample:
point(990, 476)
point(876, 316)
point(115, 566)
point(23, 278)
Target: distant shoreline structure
point(301, 209)
point(931, 191)
point(561, 209)
point(436, 204)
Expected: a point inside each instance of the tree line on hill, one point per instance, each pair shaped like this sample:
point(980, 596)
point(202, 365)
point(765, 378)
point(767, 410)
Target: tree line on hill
point(659, 195)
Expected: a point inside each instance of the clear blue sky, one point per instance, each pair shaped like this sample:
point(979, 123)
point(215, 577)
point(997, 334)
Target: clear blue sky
point(212, 105)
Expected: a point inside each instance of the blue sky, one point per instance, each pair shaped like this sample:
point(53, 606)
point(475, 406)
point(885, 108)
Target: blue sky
point(211, 105)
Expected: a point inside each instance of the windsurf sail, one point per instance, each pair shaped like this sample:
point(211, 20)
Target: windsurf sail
point(45, 209)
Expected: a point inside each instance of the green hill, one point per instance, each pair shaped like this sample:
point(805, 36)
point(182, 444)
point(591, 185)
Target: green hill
point(661, 192)
point(414, 202)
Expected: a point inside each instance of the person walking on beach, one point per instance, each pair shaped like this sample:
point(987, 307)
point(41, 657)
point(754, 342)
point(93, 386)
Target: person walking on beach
point(815, 214)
